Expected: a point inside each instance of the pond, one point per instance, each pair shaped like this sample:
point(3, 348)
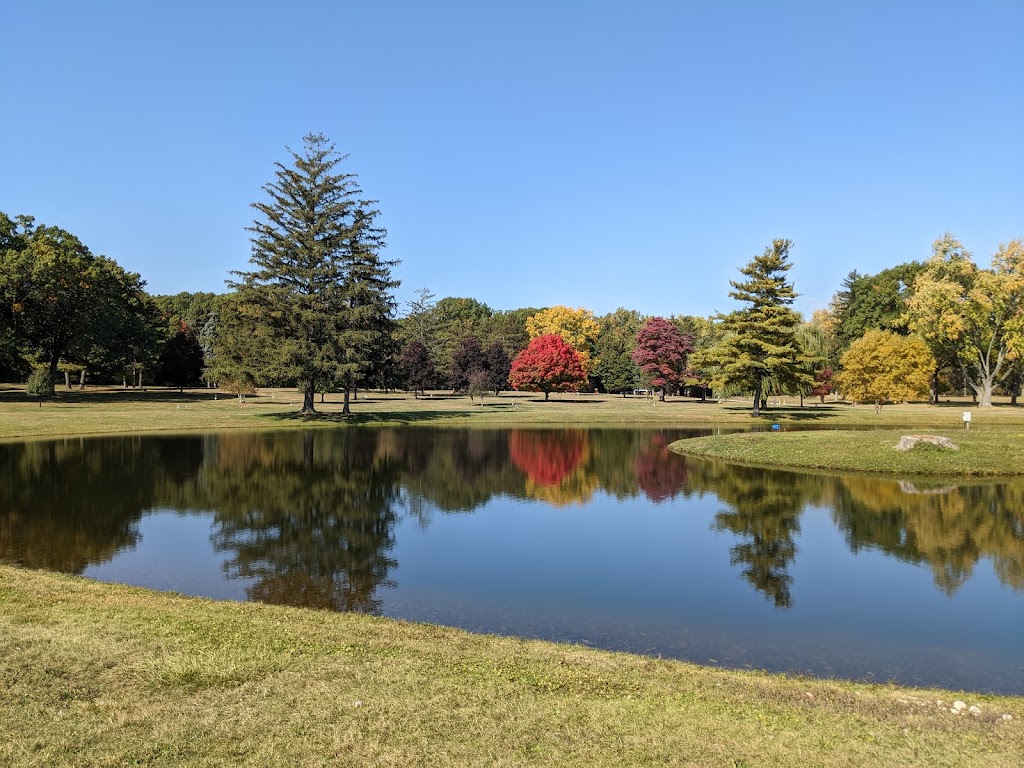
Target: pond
point(600, 537)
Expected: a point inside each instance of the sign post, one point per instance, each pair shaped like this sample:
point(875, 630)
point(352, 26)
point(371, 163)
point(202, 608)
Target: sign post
point(967, 420)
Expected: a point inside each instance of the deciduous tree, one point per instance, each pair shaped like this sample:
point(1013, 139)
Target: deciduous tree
point(884, 366)
point(181, 360)
point(577, 327)
point(467, 360)
point(661, 354)
point(616, 340)
point(547, 365)
point(976, 312)
point(418, 366)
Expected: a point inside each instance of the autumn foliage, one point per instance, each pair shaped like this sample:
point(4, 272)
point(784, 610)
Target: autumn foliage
point(546, 457)
point(661, 353)
point(547, 365)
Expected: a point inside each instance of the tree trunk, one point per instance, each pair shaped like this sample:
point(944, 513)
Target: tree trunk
point(757, 398)
point(81, 379)
point(307, 397)
point(983, 392)
point(933, 387)
point(345, 410)
point(661, 394)
point(67, 379)
point(545, 395)
point(307, 452)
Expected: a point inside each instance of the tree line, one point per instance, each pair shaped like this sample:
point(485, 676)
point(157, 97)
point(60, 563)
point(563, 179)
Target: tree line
point(316, 310)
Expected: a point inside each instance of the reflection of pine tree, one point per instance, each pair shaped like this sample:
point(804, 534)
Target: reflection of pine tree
point(310, 519)
point(764, 509)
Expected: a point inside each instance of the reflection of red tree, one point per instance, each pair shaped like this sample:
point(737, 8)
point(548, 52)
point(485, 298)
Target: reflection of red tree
point(659, 472)
point(546, 457)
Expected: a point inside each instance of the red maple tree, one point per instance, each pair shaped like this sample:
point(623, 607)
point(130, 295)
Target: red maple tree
point(547, 365)
point(822, 383)
point(661, 353)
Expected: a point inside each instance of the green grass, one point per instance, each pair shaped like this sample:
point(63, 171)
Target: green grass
point(981, 453)
point(110, 411)
point(105, 675)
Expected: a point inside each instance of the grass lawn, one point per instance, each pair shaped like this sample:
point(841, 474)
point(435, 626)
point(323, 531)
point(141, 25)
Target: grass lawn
point(110, 410)
point(105, 675)
point(980, 452)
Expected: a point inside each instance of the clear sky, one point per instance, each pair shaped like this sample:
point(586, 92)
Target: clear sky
point(527, 153)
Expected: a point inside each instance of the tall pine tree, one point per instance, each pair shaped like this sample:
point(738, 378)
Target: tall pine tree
point(320, 290)
point(760, 339)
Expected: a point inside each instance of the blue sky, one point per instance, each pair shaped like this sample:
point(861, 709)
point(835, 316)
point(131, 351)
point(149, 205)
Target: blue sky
point(596, 154)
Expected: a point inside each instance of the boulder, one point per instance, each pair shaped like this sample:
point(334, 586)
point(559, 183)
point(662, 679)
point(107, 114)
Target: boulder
point(910, 441)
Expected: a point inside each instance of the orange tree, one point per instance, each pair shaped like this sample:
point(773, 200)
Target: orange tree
point(548, 364)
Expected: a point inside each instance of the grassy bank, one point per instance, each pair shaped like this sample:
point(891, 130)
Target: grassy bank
point(99, 674)
point(108, 411)
point(979, 453)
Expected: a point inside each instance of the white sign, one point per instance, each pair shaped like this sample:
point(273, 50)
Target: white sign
point(967, 415)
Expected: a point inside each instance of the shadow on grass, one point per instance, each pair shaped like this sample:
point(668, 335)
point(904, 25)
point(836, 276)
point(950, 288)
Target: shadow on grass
point(792, 412)
point(78, 397)
point(380, 417)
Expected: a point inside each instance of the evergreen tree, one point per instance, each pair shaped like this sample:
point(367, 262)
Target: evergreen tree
point(760, 339)
point(320, 291)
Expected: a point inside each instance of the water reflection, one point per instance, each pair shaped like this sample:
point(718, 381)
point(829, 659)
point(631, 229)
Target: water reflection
point(605, 525)
point(311, 515)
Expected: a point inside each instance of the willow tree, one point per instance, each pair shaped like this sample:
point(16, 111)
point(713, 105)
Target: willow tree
point(759, 340)
point(320, 291)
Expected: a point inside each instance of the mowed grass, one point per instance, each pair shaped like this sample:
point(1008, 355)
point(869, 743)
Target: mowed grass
point(111, 410)
point(980, 452)
point(106, 675)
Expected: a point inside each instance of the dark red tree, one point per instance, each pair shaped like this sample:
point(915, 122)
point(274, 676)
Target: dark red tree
point(822, 383)
point(661, 353)
point(467, 360)
point(498, 367)
point(418, 366)
point(547, 365)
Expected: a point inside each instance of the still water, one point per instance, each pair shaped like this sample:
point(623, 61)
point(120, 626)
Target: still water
point(600, 537)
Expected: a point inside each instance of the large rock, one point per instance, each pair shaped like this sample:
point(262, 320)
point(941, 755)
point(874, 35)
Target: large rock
point(909, 441)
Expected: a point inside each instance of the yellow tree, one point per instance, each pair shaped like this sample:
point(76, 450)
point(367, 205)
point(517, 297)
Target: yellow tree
point(577, 327)
point(882, 365)
point(977, 313)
